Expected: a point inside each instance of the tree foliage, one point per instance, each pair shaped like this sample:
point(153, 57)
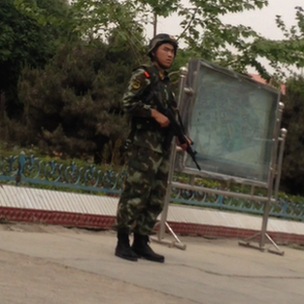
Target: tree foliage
point(102, 19)
point(287, 54)
point(203, 31)
point(23, 40)
point(72, 106)
point(293, 162)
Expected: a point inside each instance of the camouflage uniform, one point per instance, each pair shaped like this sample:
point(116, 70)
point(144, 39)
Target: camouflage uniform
point(148, 162)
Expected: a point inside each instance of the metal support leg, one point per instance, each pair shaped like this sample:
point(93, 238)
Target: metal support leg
point(263, 234)
point(163, 221)
point(177, 243)
point(280, 161)
point(247, 243)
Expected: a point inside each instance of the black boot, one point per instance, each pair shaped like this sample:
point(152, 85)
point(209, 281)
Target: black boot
point(142, 249)
point(123, 249)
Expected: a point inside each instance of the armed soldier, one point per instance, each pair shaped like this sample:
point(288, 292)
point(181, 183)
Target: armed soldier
point(148, 158)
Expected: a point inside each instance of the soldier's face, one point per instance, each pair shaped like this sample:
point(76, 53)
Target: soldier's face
point(165, 54)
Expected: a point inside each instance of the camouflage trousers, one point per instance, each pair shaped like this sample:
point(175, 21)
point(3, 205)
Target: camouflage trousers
point(144, 190)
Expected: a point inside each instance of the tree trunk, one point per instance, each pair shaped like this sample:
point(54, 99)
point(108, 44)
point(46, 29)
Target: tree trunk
point(154, 24)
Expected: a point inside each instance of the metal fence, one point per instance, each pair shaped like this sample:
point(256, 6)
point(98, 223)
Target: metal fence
point(54, 173)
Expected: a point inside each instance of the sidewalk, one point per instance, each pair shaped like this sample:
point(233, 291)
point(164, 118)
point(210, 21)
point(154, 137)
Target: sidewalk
point(54, 265)
point(23, 204)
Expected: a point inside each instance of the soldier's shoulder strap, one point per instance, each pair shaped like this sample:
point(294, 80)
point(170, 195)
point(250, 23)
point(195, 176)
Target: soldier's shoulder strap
point(150, 74)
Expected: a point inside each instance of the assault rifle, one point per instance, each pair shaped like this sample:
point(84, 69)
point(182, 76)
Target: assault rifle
point(175, 129)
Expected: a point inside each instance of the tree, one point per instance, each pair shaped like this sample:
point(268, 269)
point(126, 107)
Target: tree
point(293, 162)
point(23, 40)
point(73, 105)
point(287, 54)
point(103, 19)
point(203, 32)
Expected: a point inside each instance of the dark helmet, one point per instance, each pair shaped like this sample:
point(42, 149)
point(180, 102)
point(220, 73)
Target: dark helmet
point(160, 39)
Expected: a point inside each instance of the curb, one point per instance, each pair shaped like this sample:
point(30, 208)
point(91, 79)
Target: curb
point(92, 221)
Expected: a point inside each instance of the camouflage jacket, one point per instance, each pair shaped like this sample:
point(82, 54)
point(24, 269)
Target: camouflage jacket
point(146, 131)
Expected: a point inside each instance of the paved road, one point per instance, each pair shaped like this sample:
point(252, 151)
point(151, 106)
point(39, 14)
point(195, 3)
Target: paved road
point(54, 265)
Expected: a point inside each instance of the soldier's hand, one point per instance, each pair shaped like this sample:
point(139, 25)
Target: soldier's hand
point(184, 146)
point(160, 118)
